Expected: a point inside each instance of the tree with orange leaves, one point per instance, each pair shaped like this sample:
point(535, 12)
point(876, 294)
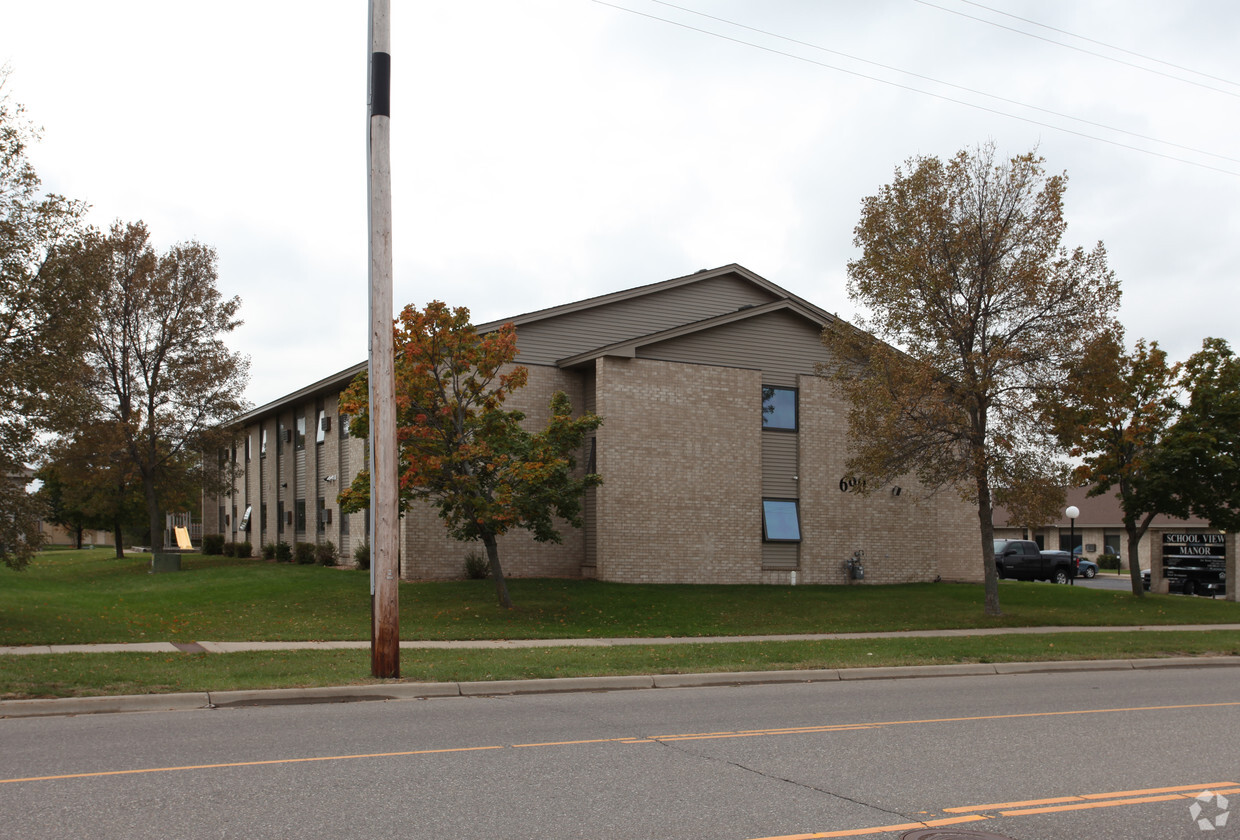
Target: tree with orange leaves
point(460, 449)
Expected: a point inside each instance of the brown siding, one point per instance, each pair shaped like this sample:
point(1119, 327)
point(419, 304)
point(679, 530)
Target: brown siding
point(548, 340)
point(779, 463)
point(780, 344)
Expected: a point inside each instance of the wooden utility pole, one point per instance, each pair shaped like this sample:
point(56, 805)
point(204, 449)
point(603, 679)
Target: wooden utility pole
point(384, 508)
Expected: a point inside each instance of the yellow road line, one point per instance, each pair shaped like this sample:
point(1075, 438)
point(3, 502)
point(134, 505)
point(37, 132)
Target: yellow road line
point(878, 829)
point(995, 806)
point(1081, 806)
point(241, 764)
point(753, 733)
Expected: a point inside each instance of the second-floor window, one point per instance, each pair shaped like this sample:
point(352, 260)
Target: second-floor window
point(779, 408)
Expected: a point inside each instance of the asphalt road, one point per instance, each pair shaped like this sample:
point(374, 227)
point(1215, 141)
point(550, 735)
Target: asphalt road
point(1046, 756)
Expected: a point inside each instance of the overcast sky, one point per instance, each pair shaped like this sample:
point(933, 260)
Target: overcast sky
point(550, 150)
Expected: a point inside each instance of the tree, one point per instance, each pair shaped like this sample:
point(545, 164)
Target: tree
point(1114, 409)
point(161, 372)
point(974, 305)
point(43, 322)
point(89, 482)
point(460, 449)
point(1200, 458)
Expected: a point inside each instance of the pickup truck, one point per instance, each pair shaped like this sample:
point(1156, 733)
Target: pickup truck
point(1023, 560)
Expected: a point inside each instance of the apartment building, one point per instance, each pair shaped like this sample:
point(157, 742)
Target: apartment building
point(722, 453)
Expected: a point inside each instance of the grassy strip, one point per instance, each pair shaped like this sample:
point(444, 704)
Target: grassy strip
point(66, 675)
point(81, 597)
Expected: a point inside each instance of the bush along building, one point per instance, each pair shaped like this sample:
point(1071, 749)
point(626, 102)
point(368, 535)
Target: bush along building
point(722, 453)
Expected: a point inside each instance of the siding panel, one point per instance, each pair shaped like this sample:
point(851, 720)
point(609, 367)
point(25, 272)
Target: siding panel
point(780, 344)
point(546, 341)
point(779, 465)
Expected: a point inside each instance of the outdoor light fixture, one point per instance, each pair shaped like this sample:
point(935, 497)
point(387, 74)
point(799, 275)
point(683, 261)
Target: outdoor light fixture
point(1072, 513)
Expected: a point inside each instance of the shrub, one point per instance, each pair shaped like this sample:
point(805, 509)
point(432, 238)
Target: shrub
point(1108, 561)
point(303, 553)
point(244, 549)
point(269, 551)
point(326, 554)
point(476, 566)
point(284, 552)
point(212, 544)
point(230, 549)
point(361, 555)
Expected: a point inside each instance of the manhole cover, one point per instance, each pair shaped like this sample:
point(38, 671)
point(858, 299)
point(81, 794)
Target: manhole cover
point(951, 834)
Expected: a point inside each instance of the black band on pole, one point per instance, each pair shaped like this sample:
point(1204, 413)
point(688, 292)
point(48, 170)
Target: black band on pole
point(380, 84)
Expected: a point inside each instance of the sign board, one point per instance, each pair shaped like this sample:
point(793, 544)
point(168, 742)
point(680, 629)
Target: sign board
point(1195, 562)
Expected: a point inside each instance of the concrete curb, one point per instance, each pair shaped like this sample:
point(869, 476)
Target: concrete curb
point(423, 690)
point(105, 705)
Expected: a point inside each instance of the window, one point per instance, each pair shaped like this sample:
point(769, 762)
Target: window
point(281, 431)
point(223, 519)
point(299, 506)
point(262, 517)
point(779, 408)
point(342, 422)
point(321, 515)
point(279, 517)
point(248, 438)
point(262, 443)
point(780, 521)
point(300, 440)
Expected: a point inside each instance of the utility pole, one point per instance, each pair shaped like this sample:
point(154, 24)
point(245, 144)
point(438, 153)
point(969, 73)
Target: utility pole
point(384, 520)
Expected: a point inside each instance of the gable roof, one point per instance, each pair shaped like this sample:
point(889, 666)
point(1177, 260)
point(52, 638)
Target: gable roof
point(629, 348)
point(652, 288)
point(724, 312)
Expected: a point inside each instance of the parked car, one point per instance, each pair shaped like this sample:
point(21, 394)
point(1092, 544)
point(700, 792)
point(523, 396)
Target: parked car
point(1086, 568)
point(1022, 560)
point(1193, 577)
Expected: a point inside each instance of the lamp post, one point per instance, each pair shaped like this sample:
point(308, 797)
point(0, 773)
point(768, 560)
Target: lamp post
point(1072, 513)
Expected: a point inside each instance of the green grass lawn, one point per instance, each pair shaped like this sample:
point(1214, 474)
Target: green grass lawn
point(67, 675)
point(82, 597)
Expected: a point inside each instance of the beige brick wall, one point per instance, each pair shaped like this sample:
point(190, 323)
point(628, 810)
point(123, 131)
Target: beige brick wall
point(909, 537)
point(680, 456)
point(428, 553)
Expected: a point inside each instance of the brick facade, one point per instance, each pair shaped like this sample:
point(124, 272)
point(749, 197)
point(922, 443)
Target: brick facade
point(678, 380)
point(679, 452)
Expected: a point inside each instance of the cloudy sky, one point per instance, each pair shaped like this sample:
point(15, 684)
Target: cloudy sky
point(550, 150)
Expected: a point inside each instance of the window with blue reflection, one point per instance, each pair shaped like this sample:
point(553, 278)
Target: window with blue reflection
point(780, 521)
point(779, 408)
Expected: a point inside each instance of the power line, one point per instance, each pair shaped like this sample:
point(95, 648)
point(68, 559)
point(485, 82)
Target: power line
point(1078, 49)
point(1105, 44)
point(974, 91)
point(911, 89)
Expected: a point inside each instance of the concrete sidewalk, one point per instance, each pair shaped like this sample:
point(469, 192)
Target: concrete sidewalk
point(394, 690)
point(501, 644)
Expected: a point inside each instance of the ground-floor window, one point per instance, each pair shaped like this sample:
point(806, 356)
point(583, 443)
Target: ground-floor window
point(781, 521)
